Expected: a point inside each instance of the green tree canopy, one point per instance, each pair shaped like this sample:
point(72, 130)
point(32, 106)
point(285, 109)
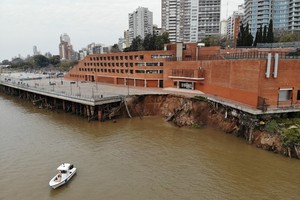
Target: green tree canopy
point(6, 62)
point(137, 44)
point(258, 36)
point(150, 43)
point(245, 37)
point(270, 34)
point(248, 40)
point(40, 61)
point(54, 60)
point(115, 48)
point(211, 41)
point(240, 36)
point(264, 36)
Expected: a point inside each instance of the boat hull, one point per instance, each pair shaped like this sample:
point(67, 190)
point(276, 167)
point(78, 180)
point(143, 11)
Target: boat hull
point(54, 183)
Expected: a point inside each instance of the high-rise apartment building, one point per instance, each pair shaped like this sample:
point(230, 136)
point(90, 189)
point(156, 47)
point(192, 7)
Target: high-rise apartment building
point(294, 15)
point(223, 28)
point(35, 51)
point(190, 20)
point(126, 38)
point(233, 24)
point(140, 23)
point(258, 13)
point(65, 47)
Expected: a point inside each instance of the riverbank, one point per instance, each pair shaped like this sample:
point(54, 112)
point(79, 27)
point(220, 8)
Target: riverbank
point(261, 131)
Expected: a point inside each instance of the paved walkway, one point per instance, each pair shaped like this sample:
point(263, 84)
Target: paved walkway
point(93, 90)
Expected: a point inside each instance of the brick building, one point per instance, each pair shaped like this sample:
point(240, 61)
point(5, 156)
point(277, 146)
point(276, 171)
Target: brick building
point(264, 78)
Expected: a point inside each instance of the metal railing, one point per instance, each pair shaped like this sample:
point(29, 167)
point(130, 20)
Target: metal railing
point(49, 90)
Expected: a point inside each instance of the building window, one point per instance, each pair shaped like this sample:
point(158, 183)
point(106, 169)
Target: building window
point(298, 95)
point(285, 94)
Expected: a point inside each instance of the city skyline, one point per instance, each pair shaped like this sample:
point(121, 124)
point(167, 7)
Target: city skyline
point(33, 23)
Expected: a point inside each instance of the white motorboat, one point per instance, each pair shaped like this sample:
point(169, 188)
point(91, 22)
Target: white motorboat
point(66, 171)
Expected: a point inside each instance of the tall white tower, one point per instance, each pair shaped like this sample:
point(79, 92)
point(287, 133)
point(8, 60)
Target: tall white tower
point(140, 23)
point(190, 20)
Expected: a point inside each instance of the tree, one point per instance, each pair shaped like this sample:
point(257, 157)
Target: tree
point(67, 65)
point(137, 44)
point(41, 61)
point(6, 62)
point(162, 40)
point(245, 37)
point(248, 38)
point(54, 60)
point(264, 36)
point(258, 37)
point(270, 34)
point(17, 61)
point(240, 36)
point(127, 49)
point(149, 42)
point(211, 41)
point(115, 48)
point(287, 38)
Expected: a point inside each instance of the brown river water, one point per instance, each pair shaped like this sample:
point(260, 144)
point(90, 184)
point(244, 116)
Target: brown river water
point(133, 159)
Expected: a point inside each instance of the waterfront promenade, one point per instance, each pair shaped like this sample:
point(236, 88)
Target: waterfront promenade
point(93, 93)
point(78, 89)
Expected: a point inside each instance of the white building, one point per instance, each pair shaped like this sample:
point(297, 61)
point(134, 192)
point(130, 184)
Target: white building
point(190, 20)
point(294, 15)
point(223, 28)
point(65, 47)
point(140, 23)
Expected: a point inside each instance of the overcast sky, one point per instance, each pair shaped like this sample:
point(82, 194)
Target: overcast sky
point(25, 23)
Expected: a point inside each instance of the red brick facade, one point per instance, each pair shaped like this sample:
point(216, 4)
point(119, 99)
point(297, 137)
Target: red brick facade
point(209, 69)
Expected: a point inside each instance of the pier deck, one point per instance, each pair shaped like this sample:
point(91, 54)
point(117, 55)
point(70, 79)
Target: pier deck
point(94, 94)
point(87, 93)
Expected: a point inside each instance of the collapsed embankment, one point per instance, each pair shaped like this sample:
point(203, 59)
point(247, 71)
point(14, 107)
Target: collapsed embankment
point(198, 112)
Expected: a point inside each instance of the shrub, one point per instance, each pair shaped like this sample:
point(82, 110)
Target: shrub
point(201, 98)
point(272, 126)
point(290, 137)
